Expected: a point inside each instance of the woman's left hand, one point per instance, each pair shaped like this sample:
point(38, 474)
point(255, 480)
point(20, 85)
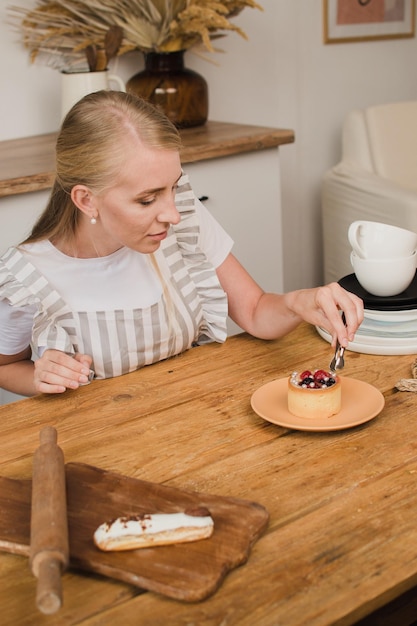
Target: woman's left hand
point(322, 306)
point(272, 315)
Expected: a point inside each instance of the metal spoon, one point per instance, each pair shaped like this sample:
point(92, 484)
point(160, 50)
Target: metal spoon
point(338, 361)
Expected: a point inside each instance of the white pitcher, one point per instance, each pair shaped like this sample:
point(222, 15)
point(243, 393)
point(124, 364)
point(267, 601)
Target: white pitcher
point(76, 85)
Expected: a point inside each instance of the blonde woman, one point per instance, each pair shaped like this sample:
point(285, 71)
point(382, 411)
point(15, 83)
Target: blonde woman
point(125, 267)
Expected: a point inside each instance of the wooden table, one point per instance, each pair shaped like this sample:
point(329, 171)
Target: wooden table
point(342, 537)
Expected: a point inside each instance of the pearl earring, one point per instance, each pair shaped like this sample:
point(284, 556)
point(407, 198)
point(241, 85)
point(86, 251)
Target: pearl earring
point(93, 220)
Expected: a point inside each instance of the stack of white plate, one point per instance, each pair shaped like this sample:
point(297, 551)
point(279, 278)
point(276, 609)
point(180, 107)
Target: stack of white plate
point(389, 325)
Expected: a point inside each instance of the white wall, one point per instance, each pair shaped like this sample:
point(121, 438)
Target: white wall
point(284, 76)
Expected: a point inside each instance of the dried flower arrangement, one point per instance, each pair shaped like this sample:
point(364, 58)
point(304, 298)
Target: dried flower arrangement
point(69, 32)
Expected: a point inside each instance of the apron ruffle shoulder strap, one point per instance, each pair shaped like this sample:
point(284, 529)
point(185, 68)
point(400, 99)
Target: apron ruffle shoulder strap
point(22, 284)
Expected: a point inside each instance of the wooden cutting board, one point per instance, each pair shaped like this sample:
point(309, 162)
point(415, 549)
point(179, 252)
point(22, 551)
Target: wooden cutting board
point(189, 572)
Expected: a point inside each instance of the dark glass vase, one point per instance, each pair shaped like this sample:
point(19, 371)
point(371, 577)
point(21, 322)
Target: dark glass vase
point(180, 93)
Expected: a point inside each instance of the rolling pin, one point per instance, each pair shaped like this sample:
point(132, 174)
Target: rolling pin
point(49, 548)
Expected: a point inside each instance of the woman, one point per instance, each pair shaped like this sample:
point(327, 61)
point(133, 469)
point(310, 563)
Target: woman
point(125, 267)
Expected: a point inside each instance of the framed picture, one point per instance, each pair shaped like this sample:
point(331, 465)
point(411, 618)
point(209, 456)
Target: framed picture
point(365, 20)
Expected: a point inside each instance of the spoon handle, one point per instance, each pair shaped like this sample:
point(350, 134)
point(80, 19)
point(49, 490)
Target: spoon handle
point(338, 361)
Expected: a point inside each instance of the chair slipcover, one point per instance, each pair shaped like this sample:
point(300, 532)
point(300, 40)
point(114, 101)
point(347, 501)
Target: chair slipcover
point(375, 180)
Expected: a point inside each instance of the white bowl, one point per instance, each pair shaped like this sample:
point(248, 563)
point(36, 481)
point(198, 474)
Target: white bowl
point(375, 240)
point(384, 277)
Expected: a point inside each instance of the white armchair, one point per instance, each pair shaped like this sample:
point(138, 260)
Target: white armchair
point(376, 179)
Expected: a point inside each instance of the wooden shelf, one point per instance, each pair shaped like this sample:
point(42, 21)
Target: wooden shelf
point(28, 164)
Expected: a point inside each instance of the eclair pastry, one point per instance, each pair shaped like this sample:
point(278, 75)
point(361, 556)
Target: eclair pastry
point(157, 529)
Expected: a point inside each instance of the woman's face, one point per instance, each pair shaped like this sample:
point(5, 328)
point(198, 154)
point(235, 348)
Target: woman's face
point(139, 208)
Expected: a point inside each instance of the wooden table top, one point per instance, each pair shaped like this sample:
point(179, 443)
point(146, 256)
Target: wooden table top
point(342, 535)
point(28, 164)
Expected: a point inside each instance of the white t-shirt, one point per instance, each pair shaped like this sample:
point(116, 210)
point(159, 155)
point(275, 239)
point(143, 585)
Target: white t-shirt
point(100, 283)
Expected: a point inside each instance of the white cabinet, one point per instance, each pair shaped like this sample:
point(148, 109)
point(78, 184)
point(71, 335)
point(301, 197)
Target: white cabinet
point(17, 216)
point(243, 194)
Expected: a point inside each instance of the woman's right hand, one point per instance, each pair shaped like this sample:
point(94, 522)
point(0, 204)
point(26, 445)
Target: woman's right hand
point(56, 371)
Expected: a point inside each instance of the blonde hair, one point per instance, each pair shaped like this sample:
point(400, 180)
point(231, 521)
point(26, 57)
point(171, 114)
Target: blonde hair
point(90, 150)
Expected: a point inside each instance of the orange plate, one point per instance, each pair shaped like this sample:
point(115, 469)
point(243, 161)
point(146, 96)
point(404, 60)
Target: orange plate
point(361, 402)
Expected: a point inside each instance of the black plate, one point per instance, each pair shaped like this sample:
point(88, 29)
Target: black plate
point(402, 302)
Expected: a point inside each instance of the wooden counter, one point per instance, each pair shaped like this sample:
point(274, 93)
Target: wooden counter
point(342, 536)
point(28, 164)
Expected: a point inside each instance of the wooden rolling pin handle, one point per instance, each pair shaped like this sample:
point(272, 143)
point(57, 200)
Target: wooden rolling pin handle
point(49, 549)
point(49, 588)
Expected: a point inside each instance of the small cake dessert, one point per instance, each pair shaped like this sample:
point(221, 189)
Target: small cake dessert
point(314, 394)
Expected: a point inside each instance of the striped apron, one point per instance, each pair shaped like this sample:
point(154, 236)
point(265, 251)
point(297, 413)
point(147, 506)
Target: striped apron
point(192, 308)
